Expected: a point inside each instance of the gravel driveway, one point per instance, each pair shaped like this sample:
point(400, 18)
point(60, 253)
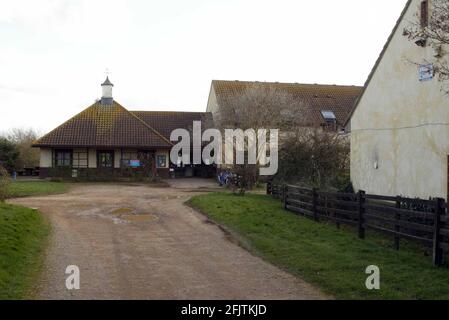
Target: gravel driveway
point(140, 242)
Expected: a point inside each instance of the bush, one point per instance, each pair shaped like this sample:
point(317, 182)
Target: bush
point(342, 183)
point(23, 140)
point(8, 155)
point(315, 158)
point(245, 178)
point(5, 180)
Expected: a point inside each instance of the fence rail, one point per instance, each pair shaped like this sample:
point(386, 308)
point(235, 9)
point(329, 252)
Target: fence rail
point(424, 221)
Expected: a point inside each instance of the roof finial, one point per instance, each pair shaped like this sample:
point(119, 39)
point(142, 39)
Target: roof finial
point(107, 82)
point(106, 98)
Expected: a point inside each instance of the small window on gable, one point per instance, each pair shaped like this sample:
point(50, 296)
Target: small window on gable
point(425, 14)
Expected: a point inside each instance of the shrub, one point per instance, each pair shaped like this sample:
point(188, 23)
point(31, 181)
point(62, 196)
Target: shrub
point(342, 183)
point(23, 140)
point(314, 158)
point(8, 155)
point(4, 183)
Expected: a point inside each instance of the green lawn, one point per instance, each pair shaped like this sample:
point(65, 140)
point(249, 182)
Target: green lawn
point(19, 189)
point(23, 237)
point(334, 260)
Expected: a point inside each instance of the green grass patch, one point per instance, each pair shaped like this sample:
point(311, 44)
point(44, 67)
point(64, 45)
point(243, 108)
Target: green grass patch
point(23, 239)
point(334, 260)
point(19, 189)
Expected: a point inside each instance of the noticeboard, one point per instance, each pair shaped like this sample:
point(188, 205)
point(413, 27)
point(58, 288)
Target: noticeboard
point(134, 163)
point(426, 72)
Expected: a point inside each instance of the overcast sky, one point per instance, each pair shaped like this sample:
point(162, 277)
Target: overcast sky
point(162, 55)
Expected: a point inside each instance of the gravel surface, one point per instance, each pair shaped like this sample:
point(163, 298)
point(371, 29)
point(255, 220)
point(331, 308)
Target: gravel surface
point(140, 242)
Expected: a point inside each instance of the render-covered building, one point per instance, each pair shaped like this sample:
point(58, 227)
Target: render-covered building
point(400, 125)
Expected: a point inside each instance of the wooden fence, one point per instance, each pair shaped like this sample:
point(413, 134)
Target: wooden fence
point(419, 220)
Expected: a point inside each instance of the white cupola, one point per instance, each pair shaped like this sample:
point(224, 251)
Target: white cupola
point(106, 97)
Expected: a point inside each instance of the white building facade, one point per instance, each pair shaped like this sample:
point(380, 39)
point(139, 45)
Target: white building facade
point(400, 125)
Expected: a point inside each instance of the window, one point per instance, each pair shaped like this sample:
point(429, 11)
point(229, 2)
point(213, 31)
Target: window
point(127, 157)
point(80, 157)
point(106, 159)
point(424, 14)
point(63, 158)
point(329, 116)
point(161, 161)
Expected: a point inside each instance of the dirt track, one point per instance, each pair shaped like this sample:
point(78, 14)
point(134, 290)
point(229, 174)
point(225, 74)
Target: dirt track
point(137, 242)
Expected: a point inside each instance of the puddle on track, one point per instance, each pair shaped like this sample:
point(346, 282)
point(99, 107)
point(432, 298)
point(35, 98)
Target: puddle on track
point(123, 215)
point(121, 211)
point(139, 217)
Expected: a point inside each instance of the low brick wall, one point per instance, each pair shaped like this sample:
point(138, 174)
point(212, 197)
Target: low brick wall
point(121, 174)
point(97, 174)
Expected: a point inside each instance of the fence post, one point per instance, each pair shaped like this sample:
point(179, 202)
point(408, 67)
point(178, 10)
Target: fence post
point(268, 188)
point(284, 193)
point(437, 250)
point(314, 203)
point(397, 227)
point(362, 198)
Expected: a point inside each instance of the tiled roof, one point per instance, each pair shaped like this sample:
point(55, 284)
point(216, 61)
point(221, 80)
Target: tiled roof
point(338, 99)
point(166, 122)
point(105, 126)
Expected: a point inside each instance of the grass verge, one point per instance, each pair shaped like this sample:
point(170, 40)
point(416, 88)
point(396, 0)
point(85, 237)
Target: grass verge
point(18, 189)
point(334, 260)
point(23, 239)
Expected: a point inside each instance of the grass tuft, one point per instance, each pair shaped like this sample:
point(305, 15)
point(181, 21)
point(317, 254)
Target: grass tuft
point(23, 239)
point(334, 260)
point(18, 189)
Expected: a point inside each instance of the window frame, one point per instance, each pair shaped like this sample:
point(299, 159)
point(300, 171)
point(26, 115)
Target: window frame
point(99, 163)
point(76, 157)
point(66, 152)
point(165, 161)
point(127, 156)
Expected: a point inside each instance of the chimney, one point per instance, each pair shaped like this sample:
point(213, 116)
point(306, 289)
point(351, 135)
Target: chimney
point(106, 98)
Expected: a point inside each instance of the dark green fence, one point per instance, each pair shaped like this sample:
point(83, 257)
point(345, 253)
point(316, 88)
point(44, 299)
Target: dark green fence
point(424, 221)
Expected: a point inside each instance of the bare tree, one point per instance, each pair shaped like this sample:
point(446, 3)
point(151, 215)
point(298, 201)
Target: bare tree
point(4, 183)
point(24, 139)
point(314, 157)
point(259, 107)
point(433, 30)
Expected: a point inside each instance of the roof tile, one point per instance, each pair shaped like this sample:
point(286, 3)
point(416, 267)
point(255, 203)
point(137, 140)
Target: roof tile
point(105, 126)
point(338, 99)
